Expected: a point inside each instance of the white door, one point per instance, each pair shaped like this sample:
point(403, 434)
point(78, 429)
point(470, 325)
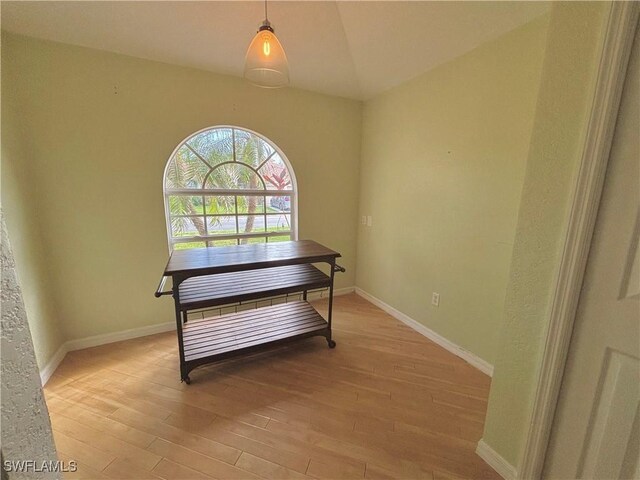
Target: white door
point(596, 431)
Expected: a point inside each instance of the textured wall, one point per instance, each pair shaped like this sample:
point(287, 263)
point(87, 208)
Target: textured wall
point(566, 91)
point(26, 430)
point(443, 159)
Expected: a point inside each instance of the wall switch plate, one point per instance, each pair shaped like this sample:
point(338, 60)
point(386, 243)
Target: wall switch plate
point(363, 220)
point(435, 299)
point(369, 220)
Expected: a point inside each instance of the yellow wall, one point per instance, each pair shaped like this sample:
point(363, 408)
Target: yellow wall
point(566, 91)
point(23, 221)
point(100, 127)
point(442, 166)
point(443, 159)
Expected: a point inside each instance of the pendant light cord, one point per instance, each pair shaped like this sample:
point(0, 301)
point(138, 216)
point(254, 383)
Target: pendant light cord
point(266, 17)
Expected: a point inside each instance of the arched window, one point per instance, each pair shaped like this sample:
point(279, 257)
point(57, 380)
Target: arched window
point(227, 186)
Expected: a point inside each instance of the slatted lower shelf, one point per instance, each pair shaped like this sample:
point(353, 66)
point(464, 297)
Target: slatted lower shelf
point(220, 289)
point(250, 329)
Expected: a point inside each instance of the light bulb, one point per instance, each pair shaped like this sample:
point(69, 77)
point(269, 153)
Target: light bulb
point(266, 47)
point(266, 63)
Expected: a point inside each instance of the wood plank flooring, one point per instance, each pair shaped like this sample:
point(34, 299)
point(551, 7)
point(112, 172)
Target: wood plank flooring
point(385, 403)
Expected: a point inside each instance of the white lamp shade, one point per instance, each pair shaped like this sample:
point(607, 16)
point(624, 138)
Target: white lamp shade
point(266, 63)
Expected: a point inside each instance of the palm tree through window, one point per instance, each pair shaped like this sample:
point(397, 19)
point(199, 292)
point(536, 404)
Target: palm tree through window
point(228, 186)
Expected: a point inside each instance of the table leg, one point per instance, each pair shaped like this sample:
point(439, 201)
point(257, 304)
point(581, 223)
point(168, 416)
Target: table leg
point(184, 376)
point(330, 341)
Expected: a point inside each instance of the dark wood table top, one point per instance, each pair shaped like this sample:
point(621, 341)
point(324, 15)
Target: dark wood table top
point(203, 261)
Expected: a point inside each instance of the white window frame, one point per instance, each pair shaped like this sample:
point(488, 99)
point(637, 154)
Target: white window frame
point(292, 192)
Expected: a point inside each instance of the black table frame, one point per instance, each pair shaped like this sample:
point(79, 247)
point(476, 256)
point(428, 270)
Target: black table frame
point(181, 312)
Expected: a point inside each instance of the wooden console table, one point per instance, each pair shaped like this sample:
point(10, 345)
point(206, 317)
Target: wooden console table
point(211, 277)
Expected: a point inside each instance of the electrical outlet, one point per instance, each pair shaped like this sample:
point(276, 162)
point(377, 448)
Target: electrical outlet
point(369, 221)
point(435, 299)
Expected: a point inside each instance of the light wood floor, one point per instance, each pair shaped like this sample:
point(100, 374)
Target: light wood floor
point(385, 403)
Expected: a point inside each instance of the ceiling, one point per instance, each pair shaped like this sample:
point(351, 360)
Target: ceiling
point(354, 49)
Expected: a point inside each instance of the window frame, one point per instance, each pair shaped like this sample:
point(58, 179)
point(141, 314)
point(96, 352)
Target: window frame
point(292, 192)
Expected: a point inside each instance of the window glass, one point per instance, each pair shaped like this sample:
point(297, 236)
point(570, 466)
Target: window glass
point(256, 199)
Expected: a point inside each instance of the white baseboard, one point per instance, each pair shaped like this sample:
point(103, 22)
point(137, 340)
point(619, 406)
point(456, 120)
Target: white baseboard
point(495, 461)
point(343, 291)
point(96, 340)
point(482, 365)
point(52, 364)
point(336, 293)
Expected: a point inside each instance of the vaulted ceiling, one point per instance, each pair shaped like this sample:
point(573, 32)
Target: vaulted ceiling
point(353, 49)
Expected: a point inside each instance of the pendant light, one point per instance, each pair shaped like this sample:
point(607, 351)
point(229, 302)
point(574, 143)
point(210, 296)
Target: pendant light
point(266, 63)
